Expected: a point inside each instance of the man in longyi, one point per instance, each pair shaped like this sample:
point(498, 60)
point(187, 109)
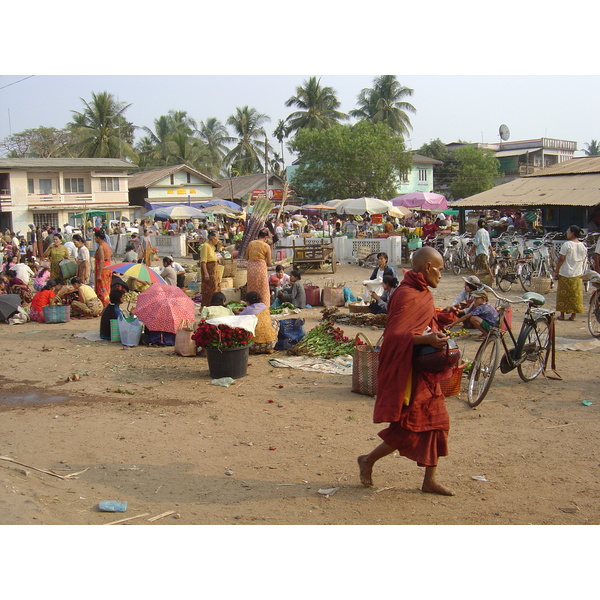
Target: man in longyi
point(411, 401)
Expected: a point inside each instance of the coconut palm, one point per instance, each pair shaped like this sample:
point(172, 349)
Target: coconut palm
point(165, 127)
point(593, 148)
point(101, 129)
point(215, 137)
point(186, 149)
point(384, 103)
point(318, 107)
point(281, 132)
point(250, 136)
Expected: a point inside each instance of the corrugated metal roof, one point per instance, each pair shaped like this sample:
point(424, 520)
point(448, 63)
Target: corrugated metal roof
point(570, 190)
point(242, 185)
point(573, 166)
point(65, 163)
point(148, 178)
point(419, 159)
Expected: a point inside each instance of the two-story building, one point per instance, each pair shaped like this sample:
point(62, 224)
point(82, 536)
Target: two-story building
point(51, 191)
point(420, 177)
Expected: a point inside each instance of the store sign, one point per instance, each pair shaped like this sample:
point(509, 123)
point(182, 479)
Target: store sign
point(272, 194)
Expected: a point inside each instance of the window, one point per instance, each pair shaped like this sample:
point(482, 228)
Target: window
point(189, 177)
point(109, 184)
point(41, 219)
point(45, 186)
point(30, 188)
point(422, 175)
point(74, 186)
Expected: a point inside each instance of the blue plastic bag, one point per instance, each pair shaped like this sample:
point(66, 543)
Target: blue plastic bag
point(348, 296)
point(291, 331)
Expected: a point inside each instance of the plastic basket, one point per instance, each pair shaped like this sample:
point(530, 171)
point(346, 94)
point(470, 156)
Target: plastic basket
point(57, 313)
point(356, 307)
point(414, 244)
point(451, 387)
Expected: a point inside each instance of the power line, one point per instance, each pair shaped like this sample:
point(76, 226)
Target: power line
point(19, 81)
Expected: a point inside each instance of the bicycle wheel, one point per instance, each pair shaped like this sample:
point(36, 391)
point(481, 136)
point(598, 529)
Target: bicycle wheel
point(369, 261)
point(594, 315)
point(525, 275)
point(532, 346)
point(503, 282)
point(483, 369)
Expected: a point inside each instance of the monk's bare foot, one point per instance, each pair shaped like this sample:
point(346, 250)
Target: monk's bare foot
point(432, 487)
point(365, 471)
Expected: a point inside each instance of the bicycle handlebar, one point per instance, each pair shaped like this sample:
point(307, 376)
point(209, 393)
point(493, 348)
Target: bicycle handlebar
point(489, 289)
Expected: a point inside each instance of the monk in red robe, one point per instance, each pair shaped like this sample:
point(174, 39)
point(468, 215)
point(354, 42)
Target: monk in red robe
point(411, 401)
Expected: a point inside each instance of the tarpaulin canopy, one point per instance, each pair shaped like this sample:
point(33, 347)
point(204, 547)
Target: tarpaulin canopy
point(92, 213)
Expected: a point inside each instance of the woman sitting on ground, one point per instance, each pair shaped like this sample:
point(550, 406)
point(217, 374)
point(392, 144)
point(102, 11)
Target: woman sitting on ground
point(88, 305)
point(382, 267)
point(255, 306)
point(216, 308)
point(131, 255)
point(112, 311)
point(277, 280)
point(168, 273)
point(295, 294)
point(379, 303)
point(44, 297)
point(18, 286)
point(41, 277)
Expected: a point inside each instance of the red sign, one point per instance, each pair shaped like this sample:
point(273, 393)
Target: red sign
point(272, 194)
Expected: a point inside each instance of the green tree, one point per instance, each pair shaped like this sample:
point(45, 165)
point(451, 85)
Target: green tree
point(593, 148)
point(385, 103)
point(41, 142)
point(249, 139)
point(216, 137)
point(476, 171)
point(318, 107)
point(349, 161)
point(101, 129)
point(165, 145)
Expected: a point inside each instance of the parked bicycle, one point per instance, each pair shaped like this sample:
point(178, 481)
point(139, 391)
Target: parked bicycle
point(529, 352)
point(594, 308)
point(457, 257)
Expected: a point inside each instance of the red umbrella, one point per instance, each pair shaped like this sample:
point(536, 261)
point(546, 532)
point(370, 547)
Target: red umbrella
point(162, 307)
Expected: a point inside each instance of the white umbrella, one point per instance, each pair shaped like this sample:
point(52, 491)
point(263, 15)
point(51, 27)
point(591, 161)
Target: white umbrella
point(359, 206)
point(399, 211)
point(179, 211)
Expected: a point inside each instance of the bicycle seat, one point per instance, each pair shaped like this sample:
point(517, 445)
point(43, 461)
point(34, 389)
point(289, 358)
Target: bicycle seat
point(528, 251)
point(501, 242)
point(537, 242)
point(454, 242)
point(534, 299)
point(469, 243)
point(505, 252)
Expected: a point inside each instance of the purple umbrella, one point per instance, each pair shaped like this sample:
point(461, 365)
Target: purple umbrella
point(421, 201)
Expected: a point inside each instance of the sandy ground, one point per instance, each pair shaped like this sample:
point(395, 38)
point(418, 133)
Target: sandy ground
point(144, 426)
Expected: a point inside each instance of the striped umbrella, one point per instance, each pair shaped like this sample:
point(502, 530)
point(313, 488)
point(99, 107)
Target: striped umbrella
point(163, 307)
point(137, 271)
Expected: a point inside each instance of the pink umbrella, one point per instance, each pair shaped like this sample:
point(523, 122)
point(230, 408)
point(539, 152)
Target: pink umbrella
point(163, 307)
point(421, 201)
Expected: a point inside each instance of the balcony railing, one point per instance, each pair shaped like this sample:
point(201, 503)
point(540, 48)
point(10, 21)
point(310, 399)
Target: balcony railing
point(58, 198)
point(5, 201)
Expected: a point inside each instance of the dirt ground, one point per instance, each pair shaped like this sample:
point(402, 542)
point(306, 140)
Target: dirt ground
point(144, 426)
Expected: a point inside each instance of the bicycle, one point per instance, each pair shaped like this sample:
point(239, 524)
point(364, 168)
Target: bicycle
point(457, 257)
point(529, 353)
point(593, 318)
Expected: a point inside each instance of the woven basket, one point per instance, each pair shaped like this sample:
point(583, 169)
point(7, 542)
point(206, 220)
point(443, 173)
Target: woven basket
point(364, 366)
point(240, 277)
point(227, 282)
point(356, 307)
point(451, 387)
point(230, 267)
point(541, 285)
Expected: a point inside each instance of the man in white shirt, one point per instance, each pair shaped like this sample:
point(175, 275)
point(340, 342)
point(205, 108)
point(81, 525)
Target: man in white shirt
point(70, 246)
point(68, 229)
point(180, 272)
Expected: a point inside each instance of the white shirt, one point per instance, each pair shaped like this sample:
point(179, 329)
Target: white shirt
point(68, 229)
point(574, 253)
point(178, 268)
point(83, 253)
point(72, 248)
point(23, 272)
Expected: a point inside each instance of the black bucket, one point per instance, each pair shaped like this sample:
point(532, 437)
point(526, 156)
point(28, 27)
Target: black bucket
point(228, 362)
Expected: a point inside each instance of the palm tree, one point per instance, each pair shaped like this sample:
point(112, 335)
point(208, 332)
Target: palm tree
point(186, 149)
point(384, 103)
point(593, 148)
point(215, 137)
point(101, 129)
point(250, 134)
point(318, 107)
point(165, 127)
point(281, 132)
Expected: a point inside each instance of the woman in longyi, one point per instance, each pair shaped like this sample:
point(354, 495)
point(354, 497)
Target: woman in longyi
point(259, 258)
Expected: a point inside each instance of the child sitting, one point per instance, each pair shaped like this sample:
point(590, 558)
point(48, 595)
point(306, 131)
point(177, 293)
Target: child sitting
point(483, 316)
point(217, 307)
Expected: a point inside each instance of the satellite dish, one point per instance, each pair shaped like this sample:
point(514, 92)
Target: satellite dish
point(504, 132)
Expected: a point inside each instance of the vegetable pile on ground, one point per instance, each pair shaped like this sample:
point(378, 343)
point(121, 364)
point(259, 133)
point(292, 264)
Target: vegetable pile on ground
point(235, 306)
point(325, 341)
point(458, 333)
point(281, 307)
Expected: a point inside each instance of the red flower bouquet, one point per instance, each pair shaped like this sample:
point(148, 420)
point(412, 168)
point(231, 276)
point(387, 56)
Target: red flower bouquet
point(221, 336)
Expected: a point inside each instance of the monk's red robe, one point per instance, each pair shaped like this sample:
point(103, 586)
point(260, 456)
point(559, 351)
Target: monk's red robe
point(418, 431)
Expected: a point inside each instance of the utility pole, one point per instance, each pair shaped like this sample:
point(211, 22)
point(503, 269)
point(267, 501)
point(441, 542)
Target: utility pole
point(266, 168)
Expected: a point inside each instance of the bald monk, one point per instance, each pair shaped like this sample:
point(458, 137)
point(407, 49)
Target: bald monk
point(410, 401)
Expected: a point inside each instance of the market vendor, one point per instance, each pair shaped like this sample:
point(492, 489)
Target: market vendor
point(295, 294)
point(383, 268)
